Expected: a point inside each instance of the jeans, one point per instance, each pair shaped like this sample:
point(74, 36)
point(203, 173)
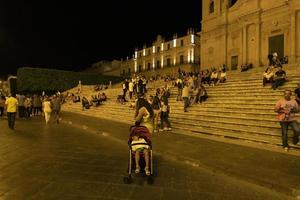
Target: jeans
point(1, 111)
point(164, 119)
point(186, 103)
point(284, 130)
point(11, 117)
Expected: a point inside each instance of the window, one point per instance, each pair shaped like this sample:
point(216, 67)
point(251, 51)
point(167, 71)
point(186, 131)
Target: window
point(181, 61)
point(140, 55)
point(140, 68)
point(168, 62)
point(158, 49)
point(149, 66)
point(181, 42)
point(211, 7)
point(158, 64)
point(149, 52)
point(169, 46)
point(129, 72)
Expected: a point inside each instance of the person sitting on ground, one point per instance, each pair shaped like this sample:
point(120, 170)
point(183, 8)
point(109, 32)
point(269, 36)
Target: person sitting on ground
point(85, 103)
point(140, 147)
point(246, 67)
point(297, 94)
point(280, 78)
point(222, 76)
point(75, 98)
point(103, 97)
point(268, 75)
point(214, 77)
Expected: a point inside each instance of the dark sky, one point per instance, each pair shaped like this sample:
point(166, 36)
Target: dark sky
point(72, 35)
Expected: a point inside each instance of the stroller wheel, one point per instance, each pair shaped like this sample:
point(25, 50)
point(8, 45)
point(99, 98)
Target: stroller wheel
point(150, 180)
point(127, 180)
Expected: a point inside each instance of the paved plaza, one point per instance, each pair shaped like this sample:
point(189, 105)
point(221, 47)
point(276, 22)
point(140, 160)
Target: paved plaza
point(86, 158)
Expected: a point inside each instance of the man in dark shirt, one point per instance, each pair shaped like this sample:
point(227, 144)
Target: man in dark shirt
point(297, 94)
point(280, 78)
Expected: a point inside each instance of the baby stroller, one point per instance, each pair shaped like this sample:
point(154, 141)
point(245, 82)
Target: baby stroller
point(141, 132)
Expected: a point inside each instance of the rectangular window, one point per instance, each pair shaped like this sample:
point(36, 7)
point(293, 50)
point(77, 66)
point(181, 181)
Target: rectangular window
point(129, 71)
point(169, 46)
point(149, 66)
point(181, 42)
point(168, 62)
point(157, 64)
point(158, 49)
point(181, 61)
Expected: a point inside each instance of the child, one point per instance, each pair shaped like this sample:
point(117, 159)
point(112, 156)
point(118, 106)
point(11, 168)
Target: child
point(141, 146)
point(164, 116)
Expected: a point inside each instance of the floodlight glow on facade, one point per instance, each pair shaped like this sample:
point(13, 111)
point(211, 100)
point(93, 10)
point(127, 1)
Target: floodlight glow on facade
point(135, 66)
point(162, 61)
point(174, 42)
point(193, 39)
point(162, 46)
point(144, 52)
point(153, 63)
point(153, 49)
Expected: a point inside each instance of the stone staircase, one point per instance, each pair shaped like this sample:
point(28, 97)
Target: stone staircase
point(240, 109)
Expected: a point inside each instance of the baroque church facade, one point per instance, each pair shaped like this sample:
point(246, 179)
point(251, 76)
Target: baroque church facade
point(246, 31)
point(233, 32)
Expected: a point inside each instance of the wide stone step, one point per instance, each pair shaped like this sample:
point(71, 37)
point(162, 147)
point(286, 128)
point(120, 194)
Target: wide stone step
point(228, 134)
point(240, 120)
point(266, 131)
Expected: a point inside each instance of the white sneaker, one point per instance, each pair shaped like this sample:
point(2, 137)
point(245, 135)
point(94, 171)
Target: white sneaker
point(147, 171)
point(137, 170)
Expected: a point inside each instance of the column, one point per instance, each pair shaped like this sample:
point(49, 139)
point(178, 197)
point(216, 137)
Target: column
point(292, 57)
point(244, 45)
point(258, 45)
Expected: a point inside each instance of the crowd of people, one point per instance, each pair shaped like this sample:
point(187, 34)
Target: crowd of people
point(27, 106)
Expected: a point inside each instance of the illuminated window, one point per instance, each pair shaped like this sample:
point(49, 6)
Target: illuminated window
point(144, 52)
point(153, 49)
point(135, 54)
point(212, 7)
point(162, 46)
point(193, 39)
point(174, 43)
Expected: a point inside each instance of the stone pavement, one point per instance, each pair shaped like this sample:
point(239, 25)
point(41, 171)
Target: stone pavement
point(86, 158)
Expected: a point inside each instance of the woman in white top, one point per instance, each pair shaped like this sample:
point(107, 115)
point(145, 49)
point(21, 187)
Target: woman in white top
point(47, 109)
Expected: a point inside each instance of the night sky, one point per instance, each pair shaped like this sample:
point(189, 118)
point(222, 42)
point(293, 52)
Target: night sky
point(72, 35)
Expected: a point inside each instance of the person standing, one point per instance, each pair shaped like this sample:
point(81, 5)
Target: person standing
point(56, 103)
point(286, 109)
point(144, 113)
point(11, 110)
point(47, 109)
point(297, 94)
point(2, 104)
